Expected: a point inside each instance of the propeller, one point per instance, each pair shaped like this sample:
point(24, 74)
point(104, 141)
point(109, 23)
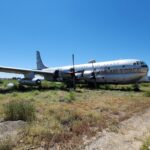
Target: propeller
point(73, 73)
point(93, 74)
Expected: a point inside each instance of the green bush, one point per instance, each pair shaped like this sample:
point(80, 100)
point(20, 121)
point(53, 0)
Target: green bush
point(126, 89)
point(146, 145)
point(147, 94)
point(145, 84)
point(136, 87)
point(19, 110)
point(107, 87)
point(71, 97)
point(52, 85)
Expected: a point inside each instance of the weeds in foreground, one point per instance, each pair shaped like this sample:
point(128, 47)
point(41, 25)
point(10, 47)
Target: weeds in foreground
point(19, 110)
point(146, 145)
point(6, 144)
point(136, 87)
point(71, 97)
point(145, 84)
point(65, 125)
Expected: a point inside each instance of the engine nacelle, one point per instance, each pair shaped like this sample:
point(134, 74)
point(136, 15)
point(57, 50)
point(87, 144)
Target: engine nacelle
point(79, 75)
point(33, 82)
point(63, 75)
point(68, 74)
point(87, 74)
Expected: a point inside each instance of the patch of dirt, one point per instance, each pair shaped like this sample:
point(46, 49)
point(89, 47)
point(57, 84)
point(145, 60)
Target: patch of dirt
point(11, 129)
point(129, 135)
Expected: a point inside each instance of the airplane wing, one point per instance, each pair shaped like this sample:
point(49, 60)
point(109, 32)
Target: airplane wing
point(24, 71)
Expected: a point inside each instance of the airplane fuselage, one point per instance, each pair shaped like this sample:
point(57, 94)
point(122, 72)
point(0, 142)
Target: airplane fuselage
point(119, 71)
point(114, 72)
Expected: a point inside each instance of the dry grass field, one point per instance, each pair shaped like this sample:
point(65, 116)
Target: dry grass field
point(64, 119)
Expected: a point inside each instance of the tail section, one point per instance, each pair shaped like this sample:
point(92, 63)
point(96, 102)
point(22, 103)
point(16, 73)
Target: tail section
point(39, 62)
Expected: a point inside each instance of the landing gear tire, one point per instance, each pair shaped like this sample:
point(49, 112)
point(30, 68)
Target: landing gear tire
point(38, 82)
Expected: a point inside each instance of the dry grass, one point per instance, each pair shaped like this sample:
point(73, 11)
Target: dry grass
point(19, 110)
point(6, 144)
point(64, 118)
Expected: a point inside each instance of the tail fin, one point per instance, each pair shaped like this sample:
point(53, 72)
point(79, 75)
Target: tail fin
point(39, 62)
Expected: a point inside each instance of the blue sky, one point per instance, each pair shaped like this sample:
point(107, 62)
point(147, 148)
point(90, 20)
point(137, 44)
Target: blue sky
point(91, 29)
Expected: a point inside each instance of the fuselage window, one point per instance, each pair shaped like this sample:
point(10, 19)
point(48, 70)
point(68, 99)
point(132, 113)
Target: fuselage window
point(134, 64)
point(138, 63)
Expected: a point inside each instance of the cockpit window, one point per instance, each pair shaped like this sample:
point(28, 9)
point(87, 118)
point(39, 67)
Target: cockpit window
point(142, 63)
point(139, 63)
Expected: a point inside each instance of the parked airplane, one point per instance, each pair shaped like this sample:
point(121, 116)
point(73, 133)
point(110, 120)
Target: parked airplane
point(114, 72)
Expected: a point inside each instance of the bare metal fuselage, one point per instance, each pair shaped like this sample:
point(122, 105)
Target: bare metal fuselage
point(117, 72)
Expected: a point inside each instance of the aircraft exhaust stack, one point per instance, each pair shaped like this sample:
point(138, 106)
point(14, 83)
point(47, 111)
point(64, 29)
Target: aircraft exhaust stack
point(39, 61)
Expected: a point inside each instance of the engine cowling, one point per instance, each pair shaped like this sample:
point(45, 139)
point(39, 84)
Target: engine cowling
point(33, 82)
point(87, 74)
point(63, 75)
point(79, 75)
point(68, 74)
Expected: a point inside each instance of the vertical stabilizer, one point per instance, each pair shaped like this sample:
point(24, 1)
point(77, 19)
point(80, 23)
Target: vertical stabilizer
point(39, 62)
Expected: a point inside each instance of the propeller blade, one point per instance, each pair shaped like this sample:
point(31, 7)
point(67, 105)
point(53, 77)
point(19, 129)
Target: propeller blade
point(73, 60)
point(73, 75)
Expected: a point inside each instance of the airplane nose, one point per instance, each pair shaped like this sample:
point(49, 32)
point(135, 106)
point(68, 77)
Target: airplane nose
point(146, 67)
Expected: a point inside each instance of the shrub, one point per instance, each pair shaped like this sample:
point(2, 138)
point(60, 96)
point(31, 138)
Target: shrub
point(136, 87)
point(127, 89)
point(145, 84)
point(147, 94)
point(79, 127)
point(71, 97)
point(6, 145)
point(146, 144)
point(67, 117)
point(19, 110)
point(107, 87)
point(52, 85)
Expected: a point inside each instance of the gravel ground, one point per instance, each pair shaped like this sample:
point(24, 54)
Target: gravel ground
point(129, 136)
